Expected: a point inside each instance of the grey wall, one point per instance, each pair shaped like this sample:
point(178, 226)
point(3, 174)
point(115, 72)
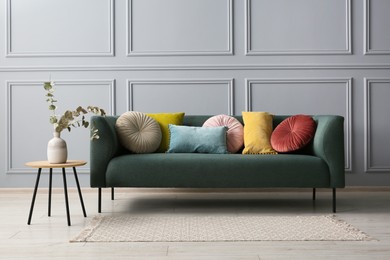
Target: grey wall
point(196, 56)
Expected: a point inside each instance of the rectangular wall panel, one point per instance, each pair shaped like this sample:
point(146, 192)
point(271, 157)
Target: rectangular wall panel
point(197, 97)
point(377, 27)
point(303, 96)
point(60, 28)
point(377, 124)
point(28, 128)
point(180, 27)
point(285, 27)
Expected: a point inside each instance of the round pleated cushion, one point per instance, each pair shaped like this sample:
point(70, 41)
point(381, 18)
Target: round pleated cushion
point(293, 133)
point(235, 132)
point(138, 132)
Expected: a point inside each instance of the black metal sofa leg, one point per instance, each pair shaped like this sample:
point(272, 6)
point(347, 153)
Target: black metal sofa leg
point(99, 200)
point(333, 198)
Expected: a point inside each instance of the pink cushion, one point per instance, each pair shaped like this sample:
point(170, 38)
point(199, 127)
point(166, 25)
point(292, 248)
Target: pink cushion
point(235, 132)
point(293, 133)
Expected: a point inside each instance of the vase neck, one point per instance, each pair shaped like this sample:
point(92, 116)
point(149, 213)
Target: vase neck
point(56, 134)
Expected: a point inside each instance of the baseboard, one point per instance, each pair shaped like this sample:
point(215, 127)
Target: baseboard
point(198, 190)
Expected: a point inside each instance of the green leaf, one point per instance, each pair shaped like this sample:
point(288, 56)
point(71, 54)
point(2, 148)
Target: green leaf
point(68, 115)
point(47, 86)
point(80, 109)
point(53, 119)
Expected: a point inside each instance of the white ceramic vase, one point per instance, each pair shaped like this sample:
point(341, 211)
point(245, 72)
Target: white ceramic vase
point(57, 151)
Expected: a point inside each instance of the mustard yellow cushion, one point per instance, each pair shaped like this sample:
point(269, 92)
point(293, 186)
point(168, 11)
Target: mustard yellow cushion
point(164, 119)
point(257, 133)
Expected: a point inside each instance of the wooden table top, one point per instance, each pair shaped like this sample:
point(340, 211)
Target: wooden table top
point(46, 164)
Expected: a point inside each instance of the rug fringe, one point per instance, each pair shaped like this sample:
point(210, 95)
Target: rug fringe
point(88, 230)
point(362, 235)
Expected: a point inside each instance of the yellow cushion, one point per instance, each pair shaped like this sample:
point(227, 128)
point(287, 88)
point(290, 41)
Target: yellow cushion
point(257, 133)
point(164, 119)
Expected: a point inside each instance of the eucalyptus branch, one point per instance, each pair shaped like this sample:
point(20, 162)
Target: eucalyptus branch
point(70, 118)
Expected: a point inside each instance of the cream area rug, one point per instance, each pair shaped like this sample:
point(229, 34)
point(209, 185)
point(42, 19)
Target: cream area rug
point(128, 228)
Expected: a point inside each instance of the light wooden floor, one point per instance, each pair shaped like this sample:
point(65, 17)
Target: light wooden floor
point(48, 238)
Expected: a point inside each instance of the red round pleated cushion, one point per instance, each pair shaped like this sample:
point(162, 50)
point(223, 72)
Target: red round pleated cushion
point(293, 133)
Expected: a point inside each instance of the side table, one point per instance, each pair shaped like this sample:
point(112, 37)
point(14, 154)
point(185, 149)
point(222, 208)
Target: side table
point(46, 164)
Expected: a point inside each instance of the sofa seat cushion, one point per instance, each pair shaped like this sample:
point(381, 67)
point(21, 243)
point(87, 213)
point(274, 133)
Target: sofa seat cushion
point(184, 170)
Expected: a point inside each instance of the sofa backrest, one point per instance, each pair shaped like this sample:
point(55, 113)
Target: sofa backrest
point(198, 120)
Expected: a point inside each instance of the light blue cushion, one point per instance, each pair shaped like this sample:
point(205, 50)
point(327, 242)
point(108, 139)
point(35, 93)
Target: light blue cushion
point(191, 139)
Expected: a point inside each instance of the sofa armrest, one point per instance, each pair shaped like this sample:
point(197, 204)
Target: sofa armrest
point(328, 144)
point(103, 149)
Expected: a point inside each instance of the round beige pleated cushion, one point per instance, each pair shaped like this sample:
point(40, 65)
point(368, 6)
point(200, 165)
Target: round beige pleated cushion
point(138, 132)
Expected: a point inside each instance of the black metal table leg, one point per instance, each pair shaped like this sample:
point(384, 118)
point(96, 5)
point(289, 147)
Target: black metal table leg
point(50, 188)
point(66, 196)
point(34, 195)
point(79, 190)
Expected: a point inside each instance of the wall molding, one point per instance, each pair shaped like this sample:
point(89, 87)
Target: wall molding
point(131, 52)
point(367, 125)
point(197, 67)
point(250, 52)
point(367, 36)
point(228, 82)
point(10, 84)
point(9, 53)
point(348, 101)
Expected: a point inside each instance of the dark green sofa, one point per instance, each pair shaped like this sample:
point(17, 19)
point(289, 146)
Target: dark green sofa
point(319, 165)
